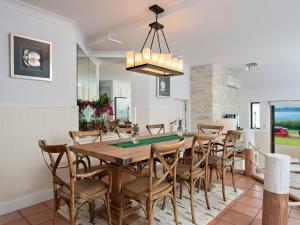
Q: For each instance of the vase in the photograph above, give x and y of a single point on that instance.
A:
(100, 117)
(135, 135)
(180, 130)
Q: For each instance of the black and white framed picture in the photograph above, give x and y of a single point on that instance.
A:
(30, 58)
(163, 87)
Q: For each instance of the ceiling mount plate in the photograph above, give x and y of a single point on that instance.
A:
(156, 9)
(156, 26)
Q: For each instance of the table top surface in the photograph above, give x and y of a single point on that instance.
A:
(106, 150)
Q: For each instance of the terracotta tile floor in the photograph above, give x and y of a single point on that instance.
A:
(245, 210)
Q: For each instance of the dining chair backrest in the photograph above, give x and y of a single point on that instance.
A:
(209, 129)
(123, 130)
(202, 145)
(56, 154)
(230, 142)
(160, 127)
(76, 135)
(169, 166)
(113, 124)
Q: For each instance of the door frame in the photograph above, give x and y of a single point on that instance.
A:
(272, 120)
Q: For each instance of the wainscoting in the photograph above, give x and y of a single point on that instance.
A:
(25, 180)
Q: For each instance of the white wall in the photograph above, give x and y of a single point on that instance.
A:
(31, 110)
(268, 83)
(27, 21)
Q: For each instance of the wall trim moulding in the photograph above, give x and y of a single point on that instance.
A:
(25, 201)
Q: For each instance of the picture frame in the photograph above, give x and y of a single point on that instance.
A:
(163, 87)
(30, 58)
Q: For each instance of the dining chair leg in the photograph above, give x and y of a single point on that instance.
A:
(192, 200)
(149, 212)
(155, 169)
(163, 206)
(120, 222)
(72, 214)
(180, 190)
(217, 174)
(233, 179)
(56, 207)
(210, 174)
(108, 208)
(206, 192)
(55, 216)
(223, 182)
(92, 210)
(199, 185)
(173, 198)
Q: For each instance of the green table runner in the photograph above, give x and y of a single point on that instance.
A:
(150, 141)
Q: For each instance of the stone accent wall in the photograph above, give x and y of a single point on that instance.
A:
(210, 97)
(201, 95)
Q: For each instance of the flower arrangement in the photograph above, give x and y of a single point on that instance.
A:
(83, 104)
(103, 105)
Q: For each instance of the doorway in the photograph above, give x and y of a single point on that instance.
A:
(285, 129)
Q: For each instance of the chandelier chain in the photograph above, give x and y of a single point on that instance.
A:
(157, 34)
(153, 39)
(146, 39)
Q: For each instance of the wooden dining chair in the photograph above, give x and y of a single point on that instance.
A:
(112, 125)
(123, 131)
(221, 162)
(195, 169)
(161, 130)
(146, 190)
(81, 188)
(84, 137)
(160, 127)
(209, 129)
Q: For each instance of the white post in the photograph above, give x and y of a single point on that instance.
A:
(276, 189)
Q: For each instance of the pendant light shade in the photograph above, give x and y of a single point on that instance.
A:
(149, 62)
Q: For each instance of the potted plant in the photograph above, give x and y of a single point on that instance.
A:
(102, 107)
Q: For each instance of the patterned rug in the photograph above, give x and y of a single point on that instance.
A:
(203, 215)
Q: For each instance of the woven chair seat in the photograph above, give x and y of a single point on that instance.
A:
(140, 186)
(215, 160)
(91, 169)
(183, 171)
(85, 189)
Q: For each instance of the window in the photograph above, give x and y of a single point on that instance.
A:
(255, 115)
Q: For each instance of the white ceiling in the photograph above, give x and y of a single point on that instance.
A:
(226, 32)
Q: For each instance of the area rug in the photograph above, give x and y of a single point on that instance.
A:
(165, 217)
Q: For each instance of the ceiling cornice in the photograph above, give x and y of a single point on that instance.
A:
(45, 14)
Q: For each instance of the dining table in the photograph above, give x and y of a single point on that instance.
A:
(122, 153)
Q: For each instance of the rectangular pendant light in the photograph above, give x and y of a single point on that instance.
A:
(151, 63)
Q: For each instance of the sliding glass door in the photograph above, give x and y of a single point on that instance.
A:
(286, 129)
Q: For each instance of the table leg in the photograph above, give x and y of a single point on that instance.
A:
(117, 180)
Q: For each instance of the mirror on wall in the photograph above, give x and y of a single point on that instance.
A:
(115, 81)
(103, 92)
(87, 78)
(87, 89)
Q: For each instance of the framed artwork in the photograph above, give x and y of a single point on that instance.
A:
(122, 107)
(163, 87)
(30, 58)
